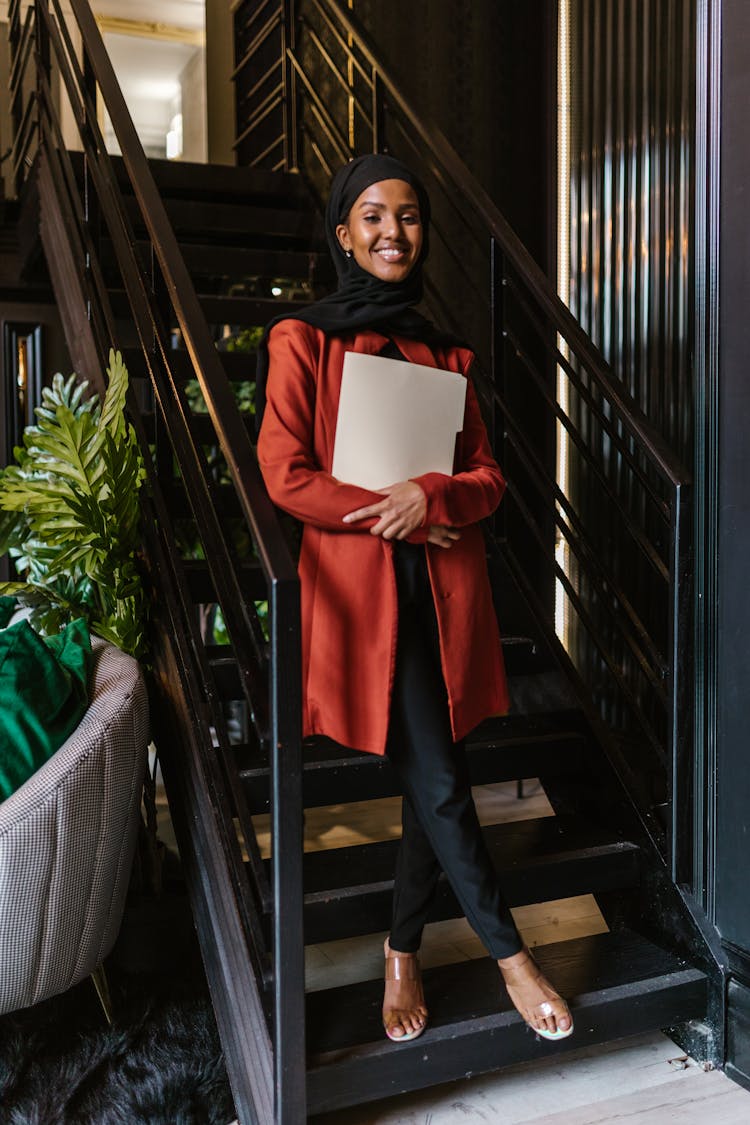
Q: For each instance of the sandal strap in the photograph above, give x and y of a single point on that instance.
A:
(548, 1008)
(402, 967)
(508, 975)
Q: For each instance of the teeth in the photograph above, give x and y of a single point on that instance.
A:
(391, 253)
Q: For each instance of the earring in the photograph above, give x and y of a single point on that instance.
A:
(348, 253)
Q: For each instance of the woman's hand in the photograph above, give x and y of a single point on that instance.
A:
(443, 536)
(402, 511)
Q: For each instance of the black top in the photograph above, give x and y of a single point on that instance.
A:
(409, 559)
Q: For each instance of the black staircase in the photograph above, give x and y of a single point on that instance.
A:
(172, 263)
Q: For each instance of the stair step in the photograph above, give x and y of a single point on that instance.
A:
(217, 260)
(247, 311)
(536, 860)
(522, 655)
(243, 311)
(618, 984)
(201, 586)
(188, 180)
(226, 504)
(238, 366)
(248, 224)
(204, 431)
(214, 181)
(218, 181)
(499, 750)
(236, 262)
(312, 266)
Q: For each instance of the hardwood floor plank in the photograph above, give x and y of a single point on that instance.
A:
(557, 1090)
(699, 1098)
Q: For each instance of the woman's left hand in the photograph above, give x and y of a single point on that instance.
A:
(402, 511)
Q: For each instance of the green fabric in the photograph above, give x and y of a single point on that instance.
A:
(7, 609)
(43, 696)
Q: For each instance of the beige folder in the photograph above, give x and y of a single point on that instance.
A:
(396, 420)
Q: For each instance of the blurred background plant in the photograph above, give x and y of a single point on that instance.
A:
(213, 627)
(247, 341)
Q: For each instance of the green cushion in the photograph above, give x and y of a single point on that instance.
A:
(43, 696)
(7, 609)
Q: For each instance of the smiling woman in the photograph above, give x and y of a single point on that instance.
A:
(384, 231)
(400, 648)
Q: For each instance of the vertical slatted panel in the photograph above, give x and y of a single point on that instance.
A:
(630, 221)
(632, 68)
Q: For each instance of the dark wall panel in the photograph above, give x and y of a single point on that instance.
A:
(483, 71)
(632, 69)
(732, 794)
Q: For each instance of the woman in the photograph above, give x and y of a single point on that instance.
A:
(400, 649)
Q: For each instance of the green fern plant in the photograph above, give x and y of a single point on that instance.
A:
(69, 513)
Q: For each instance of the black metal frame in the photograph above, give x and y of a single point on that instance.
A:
(257, 982)
(16, 414)
(707, 236)
(629, 593)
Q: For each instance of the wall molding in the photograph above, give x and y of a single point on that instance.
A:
(143, 29)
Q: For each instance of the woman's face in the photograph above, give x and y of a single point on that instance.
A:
(384, 230)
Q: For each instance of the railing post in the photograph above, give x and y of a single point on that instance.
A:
(497, 366)
(287, 844)
(680, 689)
(42, 46)
(378, 114)
(43, 68)
(289, 75)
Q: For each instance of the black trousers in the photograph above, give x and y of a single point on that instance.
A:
(440, 824)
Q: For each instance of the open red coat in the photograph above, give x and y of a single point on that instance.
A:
(348, 586)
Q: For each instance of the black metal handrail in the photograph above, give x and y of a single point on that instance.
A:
(623, 584)
(269, 1059)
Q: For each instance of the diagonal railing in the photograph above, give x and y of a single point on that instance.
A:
(250, 924)
(596, 522)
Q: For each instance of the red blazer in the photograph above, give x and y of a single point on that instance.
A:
(348, 587)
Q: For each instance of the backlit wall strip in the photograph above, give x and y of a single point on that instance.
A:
(632, 67)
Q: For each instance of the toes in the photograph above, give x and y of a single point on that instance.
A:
(405, 1024)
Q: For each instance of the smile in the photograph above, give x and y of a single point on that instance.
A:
(391, 253)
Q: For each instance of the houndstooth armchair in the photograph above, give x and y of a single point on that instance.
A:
(67, 838)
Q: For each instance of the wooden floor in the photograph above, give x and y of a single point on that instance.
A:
(646, 1081)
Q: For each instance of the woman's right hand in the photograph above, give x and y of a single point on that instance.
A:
(443, 536)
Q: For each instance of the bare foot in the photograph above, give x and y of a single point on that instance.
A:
(404, 1011)
(532, 994)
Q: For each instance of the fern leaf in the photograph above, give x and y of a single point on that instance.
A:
(113, 417)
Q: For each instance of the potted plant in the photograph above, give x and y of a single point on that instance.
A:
(69, 513)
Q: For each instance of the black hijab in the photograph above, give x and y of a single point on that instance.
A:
(361, 299)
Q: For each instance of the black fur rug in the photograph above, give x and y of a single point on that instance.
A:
(160, 1063)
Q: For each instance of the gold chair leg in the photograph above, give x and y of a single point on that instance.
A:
(101, 984)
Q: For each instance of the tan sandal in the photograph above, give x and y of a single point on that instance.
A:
(546, 1009)
(401, 966)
